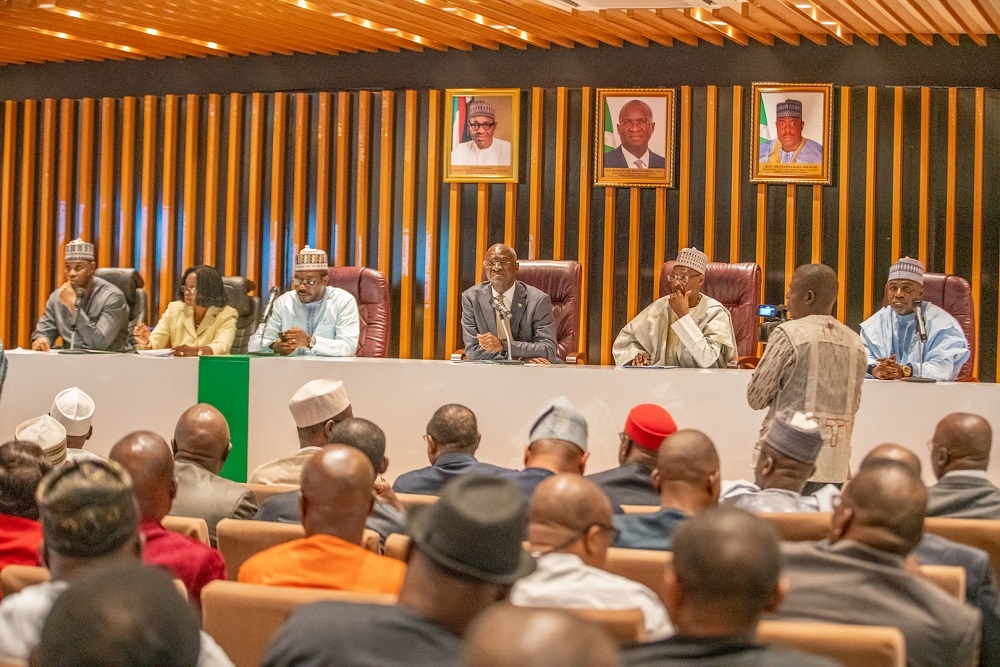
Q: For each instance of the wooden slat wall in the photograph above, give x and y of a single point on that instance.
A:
(242, 181)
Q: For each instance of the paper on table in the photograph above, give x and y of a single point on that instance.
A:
(165, 352)
(651, 366)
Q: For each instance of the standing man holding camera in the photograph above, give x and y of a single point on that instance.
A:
(813, 363)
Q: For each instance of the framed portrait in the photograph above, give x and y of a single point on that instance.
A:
(481, 135)
(634, 137)
(792, 133)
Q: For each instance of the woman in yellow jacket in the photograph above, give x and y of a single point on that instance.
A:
(201, 323)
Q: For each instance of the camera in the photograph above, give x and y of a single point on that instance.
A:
(773, 316)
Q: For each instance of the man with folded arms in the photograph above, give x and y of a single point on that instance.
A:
(960, 455)
(557, 444)
(74, 409)
(685, 328)
(631, 483)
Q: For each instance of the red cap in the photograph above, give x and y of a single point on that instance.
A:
(647, 425)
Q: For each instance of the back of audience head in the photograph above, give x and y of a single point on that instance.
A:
(645, 428)
(148, 460)
(882, 507)
(508, 636)
(74, 409)
(812, 291)
(336, 492)
(452, 428)
(125, 615)
(788, 455)
(962, 441)
(571, 514)
(364, 435)
(687, 472)
(724, 574)
(22, 467)
(202, 437)
(558, 439)
(317, 406)
(891, 452)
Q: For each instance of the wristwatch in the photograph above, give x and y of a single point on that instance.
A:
(907, 370)
(312, 341)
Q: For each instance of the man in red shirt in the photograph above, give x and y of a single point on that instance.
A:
(22, 466)
(148, 459)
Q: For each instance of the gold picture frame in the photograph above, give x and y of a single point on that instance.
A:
(644, 156)
(474, 151)
(805, 129)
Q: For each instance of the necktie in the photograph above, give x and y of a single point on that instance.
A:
(639, 164)
(501, 326)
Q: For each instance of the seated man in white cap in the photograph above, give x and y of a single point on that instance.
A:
(87, 312)
(74, 409)
(685, 328)
(316, 407)
(892, 338)
(48, 434)
(313, 318)
(483, 148)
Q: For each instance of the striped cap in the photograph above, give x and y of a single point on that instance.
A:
(907, 268)
(692, 258)
(310, 259)
(80, 249)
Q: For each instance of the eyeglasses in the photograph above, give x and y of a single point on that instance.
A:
(641, 123)
(496, 263)
(189, 290)
(308, 282)
(678, 279)
(487, 126)
(611, 530)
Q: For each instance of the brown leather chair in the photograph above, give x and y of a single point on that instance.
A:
(738, 288)
(131, 284)
(854, 645)
(953, 294)
(371, 290)
(238, 291)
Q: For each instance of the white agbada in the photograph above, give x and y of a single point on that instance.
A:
(468, 154)
(703, 338)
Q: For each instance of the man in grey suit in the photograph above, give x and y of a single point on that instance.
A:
(635, 128)
(859, 577)
(530, 331)
(960, 454)
(201, 444)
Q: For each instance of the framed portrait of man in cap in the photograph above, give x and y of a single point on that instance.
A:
(634, 137)
(481, 135)
(791, 133)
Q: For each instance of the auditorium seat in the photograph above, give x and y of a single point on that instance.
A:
(411, 499)
(800, 526)
(854, 645)
(625, 626)
(640, 509)
(642, 565)
(238, 291)
(14, 578)
(242, 618)
(196, 529)
(980, 533)
(949, 578)
(371, 290)
(953, 294)
(131, 284)
(265, 491)
(738, 287)
(396, 546)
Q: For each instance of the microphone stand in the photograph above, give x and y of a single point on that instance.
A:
(272, 295)
(510, 336)
(921, 325)
(76, 316)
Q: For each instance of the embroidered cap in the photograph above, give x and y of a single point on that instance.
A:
(311, 259)
(907, 268)
(74, 410)
(692, 258)
(796, 435)
(483, 109)
(47, 433)
(318, 401)
(789, 109)
(648, 424)
(560, 421)
(80, 249)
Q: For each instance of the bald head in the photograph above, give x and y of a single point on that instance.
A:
(337, 492)
(147, 458)
(508, 636)
(812, 290)
(687, 471)
(891, 452)
(962, 441)
(202, 437)
(883, 506)
(569, 505)
(363, 435)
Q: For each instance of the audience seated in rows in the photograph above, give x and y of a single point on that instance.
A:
(631, 483)
(960, 454)
(47, 433)
(452, 438)
(570, 530)
(201, 444)
(22, 467)
(466, 554)
(74, 409)
(687, 477)
(147, 459)
(336, 498)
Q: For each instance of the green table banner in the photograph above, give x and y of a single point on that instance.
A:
(224, 382)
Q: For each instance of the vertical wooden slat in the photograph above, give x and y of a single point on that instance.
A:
(213, 119)
(711, 139)
(147, 210)
(736, 175)
(323, 172)
(386, 186)
(168, 209)
(85, 172)
(949, 229)
(789, 234)
(190, 204)
(106, 192)
(409, 222)
(583, 215)
(897, 174)
(341, 196)
(7, 213)
(46, 197)
(659, 238)
(432, 216)
(537, 163)
(510, 215)
(761, 228)
(559, 187)
(843, 218)
(126, 189)
(925, 173)
(607, 287)
(254, 194)
(634, 229)
(233, 181)
(454, 238)
(977, 217)
(870, 162)
(64, 215)
(684, 209)
(816, 256)
(300, 173)
(26, 254)
(277, 232)
(362, 186)
(482, 223)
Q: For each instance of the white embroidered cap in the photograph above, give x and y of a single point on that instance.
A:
(318, 401)
(74, 409)
(692, 258)
(80, 249)
(311, 259)
(47, 433)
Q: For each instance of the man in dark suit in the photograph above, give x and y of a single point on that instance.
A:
(635, 127)
(631, 483)
(960, 454)
(529, 333)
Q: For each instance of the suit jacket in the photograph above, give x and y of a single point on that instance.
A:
(849, 582)
(531, 323)
(204, 495)
(648, 531)
(629, 484)
(964, 497)
(716, 652)
(176, 327)
(616, 160)
(284, 508)
(429, 480)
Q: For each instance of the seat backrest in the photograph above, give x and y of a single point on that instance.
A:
(396, 546)
(243, 618)
(799, 526)
(14, 578)
(265, 491)
(195, 528)
(642, 565)
(736, 286)
(131, 284)
(640, 509)
(949, 578)
(239, 539)
(371, 290)
(953, 294)
(625, 626)
(854, 645)
(411, 499)
(238, 291)
(980, 533)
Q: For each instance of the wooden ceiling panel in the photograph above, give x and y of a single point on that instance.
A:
(78, 30)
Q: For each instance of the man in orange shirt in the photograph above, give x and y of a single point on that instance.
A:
(336, 498)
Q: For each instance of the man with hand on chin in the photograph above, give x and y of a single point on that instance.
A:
(685, 328)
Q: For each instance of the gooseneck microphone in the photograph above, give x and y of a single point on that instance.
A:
(504, 314)
(918, 310)
(271, 297)
(76, 315)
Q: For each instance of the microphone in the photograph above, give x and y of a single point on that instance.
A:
(918, 310)
(76, 315)
(504, 314)
(500, 308)
(271, 297)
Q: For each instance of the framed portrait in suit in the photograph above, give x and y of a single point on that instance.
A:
(792, 135)
(481, 135)
(634, 137)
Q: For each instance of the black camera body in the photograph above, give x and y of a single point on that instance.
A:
(773, 316)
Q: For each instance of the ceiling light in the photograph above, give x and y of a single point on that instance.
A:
(804, 6)
(46, 4)
(450, 9)
(828, 22)
(338, 15)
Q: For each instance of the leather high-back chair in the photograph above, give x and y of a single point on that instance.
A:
(238, 295)
(737, 286)
(562, 281)
(371, 290)
(131, 284)
(953, 294)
